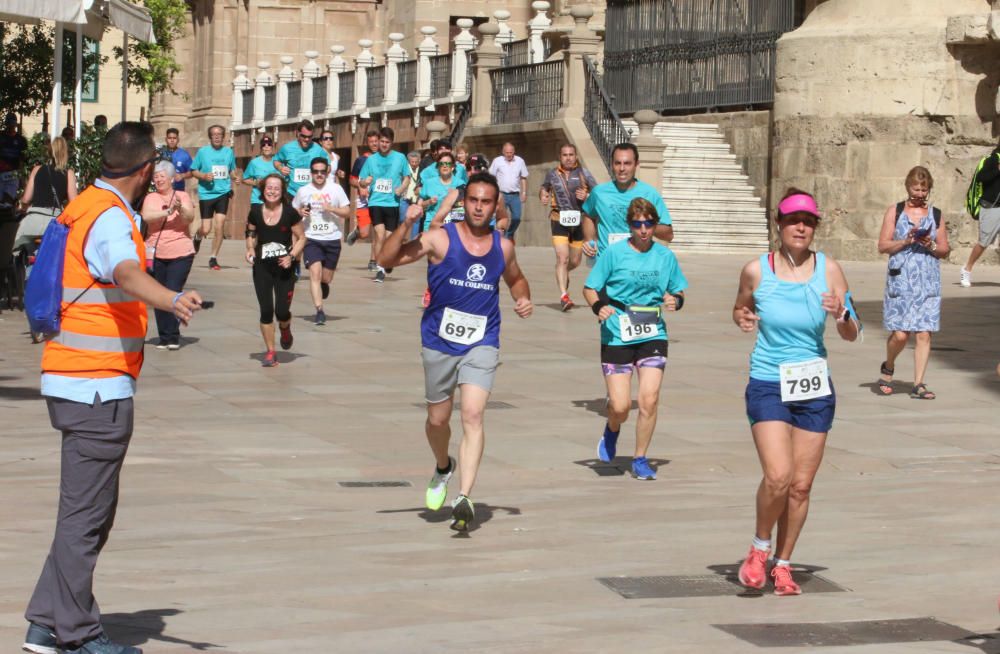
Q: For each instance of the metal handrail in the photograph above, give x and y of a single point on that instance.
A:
(599, 115)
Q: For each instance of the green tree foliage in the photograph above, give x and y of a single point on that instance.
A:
(26, 62)
(152, 66)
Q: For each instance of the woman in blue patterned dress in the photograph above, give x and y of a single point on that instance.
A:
(916, 238)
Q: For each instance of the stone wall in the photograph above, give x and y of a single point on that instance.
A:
(857, 105)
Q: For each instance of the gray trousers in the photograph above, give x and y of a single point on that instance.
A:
(94, 441)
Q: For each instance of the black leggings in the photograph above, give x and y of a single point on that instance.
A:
(275, 286)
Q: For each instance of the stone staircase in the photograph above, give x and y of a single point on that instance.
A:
(711, 201)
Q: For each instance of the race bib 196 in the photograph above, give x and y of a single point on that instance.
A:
(220, 172)
(383, 186)
(300, 175)
(804, 380)
(632, 332)
(272, 251)
(462, 328)
(569, 218)
(617, 236)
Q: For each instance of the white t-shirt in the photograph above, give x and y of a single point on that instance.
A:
(509, 173)
(321, 225)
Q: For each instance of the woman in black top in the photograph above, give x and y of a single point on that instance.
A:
(50, 187)
(275, 238)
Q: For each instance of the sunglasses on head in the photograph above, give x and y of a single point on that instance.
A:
(648, 224)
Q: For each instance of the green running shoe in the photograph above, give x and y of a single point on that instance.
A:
(437, 489)
(462, 513)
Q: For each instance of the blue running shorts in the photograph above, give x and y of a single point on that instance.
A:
(763, 400)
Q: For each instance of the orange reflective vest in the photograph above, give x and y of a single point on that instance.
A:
(102, 329)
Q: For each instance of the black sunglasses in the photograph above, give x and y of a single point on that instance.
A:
(316, 171)
(305, 136)
(326, 138)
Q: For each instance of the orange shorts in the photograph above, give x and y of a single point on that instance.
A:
(364, 218)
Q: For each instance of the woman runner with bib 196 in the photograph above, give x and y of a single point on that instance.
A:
(790, 399)
(632, 283)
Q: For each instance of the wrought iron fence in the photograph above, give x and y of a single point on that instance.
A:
(407, 71)
(270, 102)
(692, 54)
(376, 86)
(247, 95)
(319, 95)
(526, 93)
(346, 91)
(599, 115)
(440, 75)
(294, 98)
(461, 118)
(518, 53)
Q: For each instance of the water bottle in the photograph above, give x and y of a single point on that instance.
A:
(590, 260)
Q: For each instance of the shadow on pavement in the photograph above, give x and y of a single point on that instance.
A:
(599, 405)
(621, 466)
(731, 572)
(283, 356)
(484, 513)
(143, 626)
(311, 317)
(988, 642)
(17, 392)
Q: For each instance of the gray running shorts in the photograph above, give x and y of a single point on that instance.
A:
(989, 225)
(443, 372)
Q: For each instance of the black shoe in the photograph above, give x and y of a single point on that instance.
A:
(372, 266)
(379, 276)
(388, 271)
(102, 645)
(214, 264)
(286, 337)
(320, 318)
(325, 288)
(352, 237)
(462, 513)
(197, 245)
(39, 639)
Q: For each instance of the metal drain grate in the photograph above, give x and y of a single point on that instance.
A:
(373, 484)
(704, 585)
(839, 634)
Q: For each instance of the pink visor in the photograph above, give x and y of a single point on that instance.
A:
(798, 202)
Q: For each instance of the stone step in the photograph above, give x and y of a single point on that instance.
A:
(730, 203)
(672, 148)
(699, 178)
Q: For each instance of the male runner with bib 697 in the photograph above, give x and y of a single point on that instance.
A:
(460, 329)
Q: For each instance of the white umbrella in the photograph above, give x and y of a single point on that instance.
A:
(90, 16)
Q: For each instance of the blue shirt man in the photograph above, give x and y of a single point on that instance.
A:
(294, 157)
(179, 157)
(387, 172)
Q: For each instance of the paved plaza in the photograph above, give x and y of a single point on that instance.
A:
(239, 529)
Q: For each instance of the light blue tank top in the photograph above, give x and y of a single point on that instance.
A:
(792, 320)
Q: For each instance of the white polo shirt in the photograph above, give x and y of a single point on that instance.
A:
(509, 173)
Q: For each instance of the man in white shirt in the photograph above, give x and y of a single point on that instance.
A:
(321, 203)
(512, 176)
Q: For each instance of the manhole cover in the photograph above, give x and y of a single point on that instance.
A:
(704, 585)
(838, 634)
(373, 484)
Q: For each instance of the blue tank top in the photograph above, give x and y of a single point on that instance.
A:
(792, 320)
(464, 311)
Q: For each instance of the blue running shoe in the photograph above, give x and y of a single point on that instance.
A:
(39, 640)
(641, 469)
(608, 445)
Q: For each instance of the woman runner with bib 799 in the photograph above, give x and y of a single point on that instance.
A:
(790, 400)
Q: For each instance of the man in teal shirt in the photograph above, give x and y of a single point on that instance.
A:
(385, 176)
(608, 204)
(259, 168)
(294, 157)
(214, 166)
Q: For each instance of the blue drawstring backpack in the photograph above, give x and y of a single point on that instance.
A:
(44, 290)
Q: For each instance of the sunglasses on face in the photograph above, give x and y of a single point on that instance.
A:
(305, 136)
(326, 138)
(446, 164)
(318, 172)
(638, 224)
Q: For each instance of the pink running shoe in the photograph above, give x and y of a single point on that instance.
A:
(783, 582)
(753, 571)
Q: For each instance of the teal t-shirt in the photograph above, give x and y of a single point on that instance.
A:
(257, 170)
(608, 207)
(292, 155)
(431, 172)
(635, 278)
(435, 187)
(221, 163)
(387, 173)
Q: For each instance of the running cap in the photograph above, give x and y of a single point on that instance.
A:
(479, 162)
(800, 202)
(266, 140)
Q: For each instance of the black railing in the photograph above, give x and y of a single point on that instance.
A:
(526, 93)
(294, 99)
(346, 91)
(461, 118)
(518, 53)
(674, 55)
(319, 96)
(270, 102)
(599, 115)
(247, 95)
(440, 75)
(375, 93)
(407, 72)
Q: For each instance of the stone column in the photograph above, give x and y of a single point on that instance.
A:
(435, 130)
(488, 57)
(536, 27)
(506, 34)
(337, 65)
(650, 149)
(240, 83)
(581, 42)
(394, 56)
(427, 49)
(261, 82)
(462, 47)
(362, 63)
(309, 72)
(285, 75)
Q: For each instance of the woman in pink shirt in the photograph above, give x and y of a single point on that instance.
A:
(169, 249)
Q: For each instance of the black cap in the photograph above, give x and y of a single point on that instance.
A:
(266, 140)
(479, 162)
